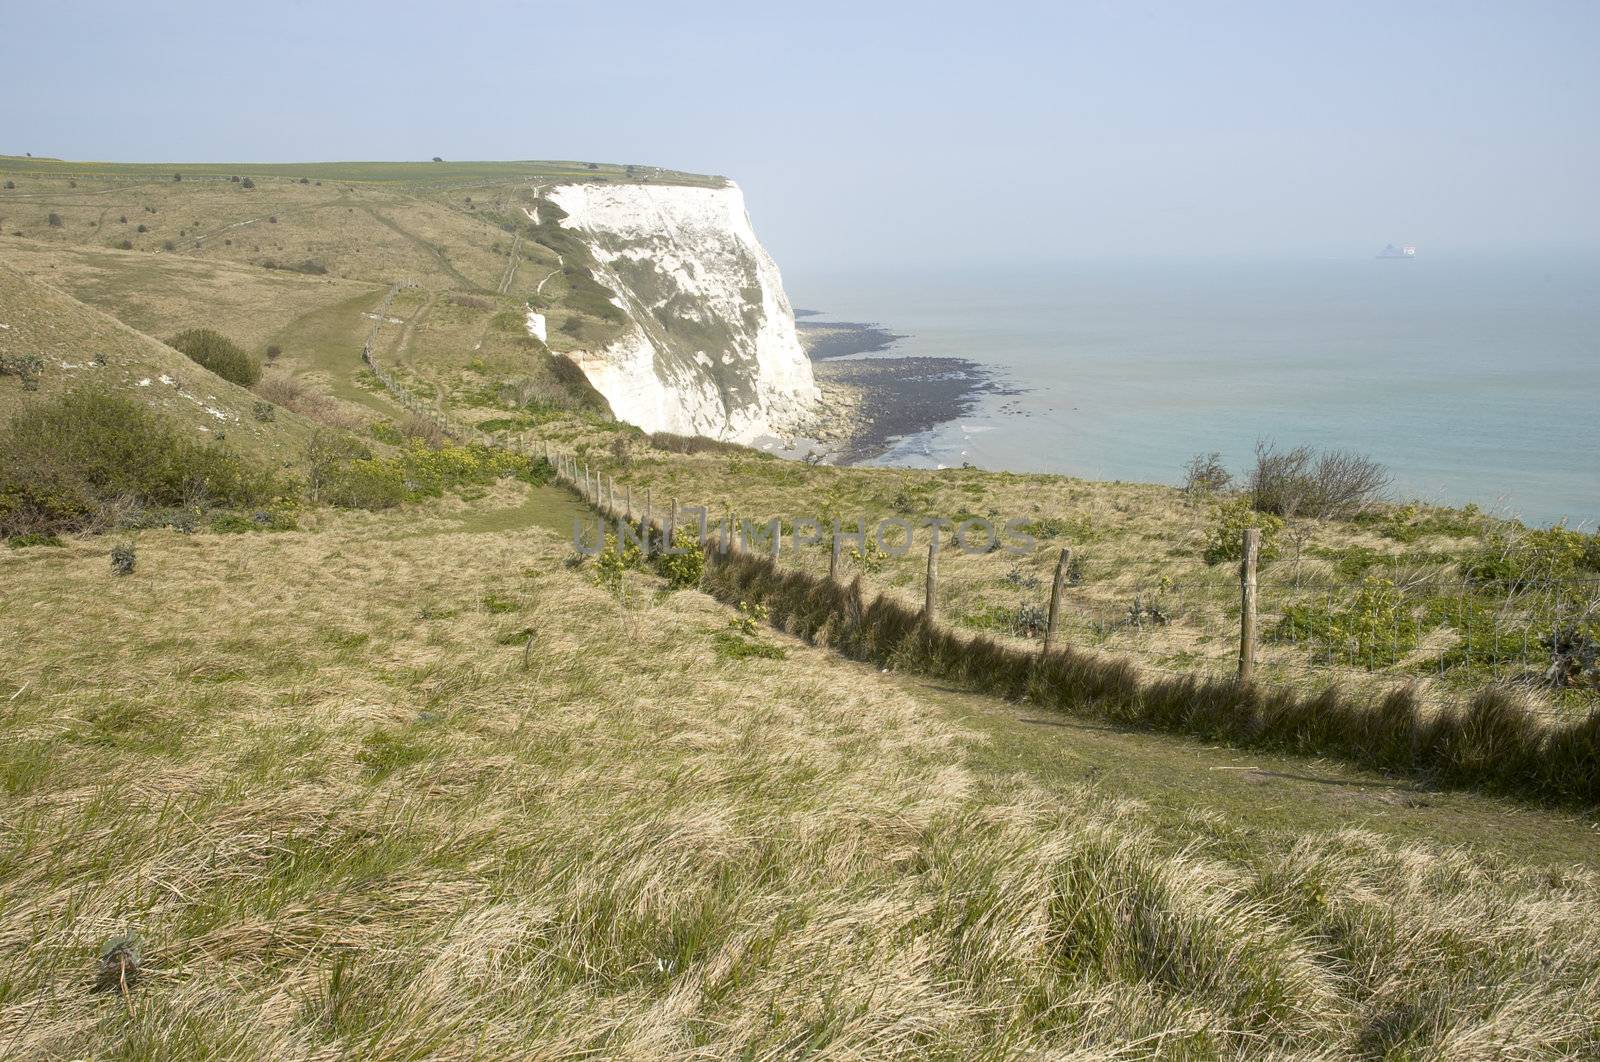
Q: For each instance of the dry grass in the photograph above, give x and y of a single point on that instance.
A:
(340, 818)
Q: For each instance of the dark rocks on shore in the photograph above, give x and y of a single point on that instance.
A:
(899, 396)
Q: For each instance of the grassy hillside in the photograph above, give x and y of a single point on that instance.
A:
(294, 257)
(422, 781)
(80, 346)
(409, 785)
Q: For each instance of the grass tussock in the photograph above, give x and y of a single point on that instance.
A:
(1490, 742)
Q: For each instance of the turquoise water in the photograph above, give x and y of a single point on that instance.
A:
(1473, 380)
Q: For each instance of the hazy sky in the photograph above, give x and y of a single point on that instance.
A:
(880, 134)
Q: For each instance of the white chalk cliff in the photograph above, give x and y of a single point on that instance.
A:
(710, 346)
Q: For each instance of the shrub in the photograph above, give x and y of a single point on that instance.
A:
(35, 539)
(247, 183)
(123, 558)
(142, 228)
(10, 185)
(1205, 474)
(752, 617)
(177, 176)
(733, 646)
(54, 220)
(366, 483)
(1225, 537)
(274, 352)
(216, 352)
(25, 367)
(684, 568)
(126, 245)
(265, 412)
(1299, 482)
(1375, 629)
(70, 464)
(1512, 561)
(611, 564)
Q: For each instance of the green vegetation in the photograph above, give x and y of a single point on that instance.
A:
(1225, 536)
(214, 351)
(81, 461)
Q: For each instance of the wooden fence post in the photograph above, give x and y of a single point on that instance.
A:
(1247, 604)
(931, 598)
(833, 558)
(672, 525)
(627, 501)
(1063, 565)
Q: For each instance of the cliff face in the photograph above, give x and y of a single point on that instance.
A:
(709, 347)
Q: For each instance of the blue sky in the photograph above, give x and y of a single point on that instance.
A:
(886, 134)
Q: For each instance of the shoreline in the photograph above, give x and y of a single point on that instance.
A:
(878, 400)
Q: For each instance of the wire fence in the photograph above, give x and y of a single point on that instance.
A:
(1398, 620)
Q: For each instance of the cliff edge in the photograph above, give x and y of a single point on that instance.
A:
(709, 346)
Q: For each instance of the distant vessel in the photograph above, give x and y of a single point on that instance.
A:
(1403, 251)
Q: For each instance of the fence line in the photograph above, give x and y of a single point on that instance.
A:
(1428, 626)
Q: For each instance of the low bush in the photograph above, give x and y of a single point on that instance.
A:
(672, 443)
(218, 353)
(72, 464)
(1301, 482)
(1377, 628)
(35, 539)
(1205, 474)
(25, 367)
(1514, 560)
(1225, 536)
(684, 567)
(343, 472)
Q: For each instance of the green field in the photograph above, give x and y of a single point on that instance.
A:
(423, 172)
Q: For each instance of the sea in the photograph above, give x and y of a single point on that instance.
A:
(1474, 378)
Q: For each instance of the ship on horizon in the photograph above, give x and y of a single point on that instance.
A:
(1405, 250)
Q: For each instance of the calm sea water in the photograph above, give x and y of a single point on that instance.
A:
(1474, 380)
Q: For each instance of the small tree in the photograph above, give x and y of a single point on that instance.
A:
(436, 158)
(1205, 474)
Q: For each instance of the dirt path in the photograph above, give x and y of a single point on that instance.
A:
(540, 289)
(1179, 777)
(418, 241)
